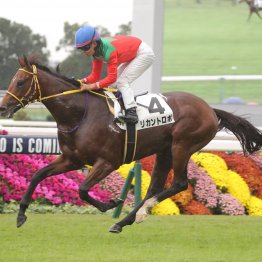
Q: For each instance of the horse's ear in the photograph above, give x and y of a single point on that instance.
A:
(20, 61)
(23, 61)
(27, 64)
(58, 69)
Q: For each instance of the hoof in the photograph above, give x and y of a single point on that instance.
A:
(20, 220)
(115, 229)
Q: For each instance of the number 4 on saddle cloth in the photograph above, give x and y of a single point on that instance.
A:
(152, 111)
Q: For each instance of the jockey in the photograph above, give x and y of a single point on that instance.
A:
(127, 58)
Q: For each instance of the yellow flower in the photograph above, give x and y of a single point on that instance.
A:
(237, 187)
(254, 206)
(166, 207)
(213, 166)
(217, 169)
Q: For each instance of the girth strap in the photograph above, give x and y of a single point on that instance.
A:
(130, 132)
(130, 143)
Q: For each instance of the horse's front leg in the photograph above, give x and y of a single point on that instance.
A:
(58, 166)
(100, 170)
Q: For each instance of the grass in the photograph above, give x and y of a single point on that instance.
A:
(172, 238)
(209, 39)
(215, 92)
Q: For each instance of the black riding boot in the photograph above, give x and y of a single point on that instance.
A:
(131, 116)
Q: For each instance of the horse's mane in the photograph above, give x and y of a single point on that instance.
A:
(34, 60)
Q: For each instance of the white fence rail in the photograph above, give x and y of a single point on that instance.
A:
(13, 123)
(210, 78)
(223, 141)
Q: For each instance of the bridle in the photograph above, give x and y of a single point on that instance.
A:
(35, 86)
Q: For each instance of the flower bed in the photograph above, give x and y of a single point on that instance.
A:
(16, 172)
(220, 190)
(219, 183)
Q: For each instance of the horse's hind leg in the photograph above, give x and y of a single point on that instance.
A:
(163, 165)
(58, 166)
(100, 170)
(181, 157)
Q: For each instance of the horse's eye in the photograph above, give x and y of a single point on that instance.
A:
(20, 83)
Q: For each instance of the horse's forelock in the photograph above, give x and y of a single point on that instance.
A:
(34, 59)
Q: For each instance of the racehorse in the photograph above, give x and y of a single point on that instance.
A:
(253, 8)
(87, 134)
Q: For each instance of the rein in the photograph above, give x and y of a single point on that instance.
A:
(36, 87)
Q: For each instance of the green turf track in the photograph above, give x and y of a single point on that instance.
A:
(208, 39)
(56, 237)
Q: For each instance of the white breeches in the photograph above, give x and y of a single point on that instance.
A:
(128, 72)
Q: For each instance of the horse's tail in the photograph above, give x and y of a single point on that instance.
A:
(249, 136)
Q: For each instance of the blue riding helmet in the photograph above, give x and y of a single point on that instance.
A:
(85, 35)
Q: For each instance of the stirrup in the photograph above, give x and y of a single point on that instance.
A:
(119, 120)
(128, 120)
(131, 116)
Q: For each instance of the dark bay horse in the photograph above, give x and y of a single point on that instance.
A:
(253, 8)
(88, 135)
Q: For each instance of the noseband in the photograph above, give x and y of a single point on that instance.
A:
(33, 86)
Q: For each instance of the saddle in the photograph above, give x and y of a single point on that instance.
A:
(152, 111)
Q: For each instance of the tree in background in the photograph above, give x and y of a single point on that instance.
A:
(16, 40)
(125, 29)
(67, 42)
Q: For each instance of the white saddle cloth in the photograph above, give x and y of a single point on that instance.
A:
(152, 111)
